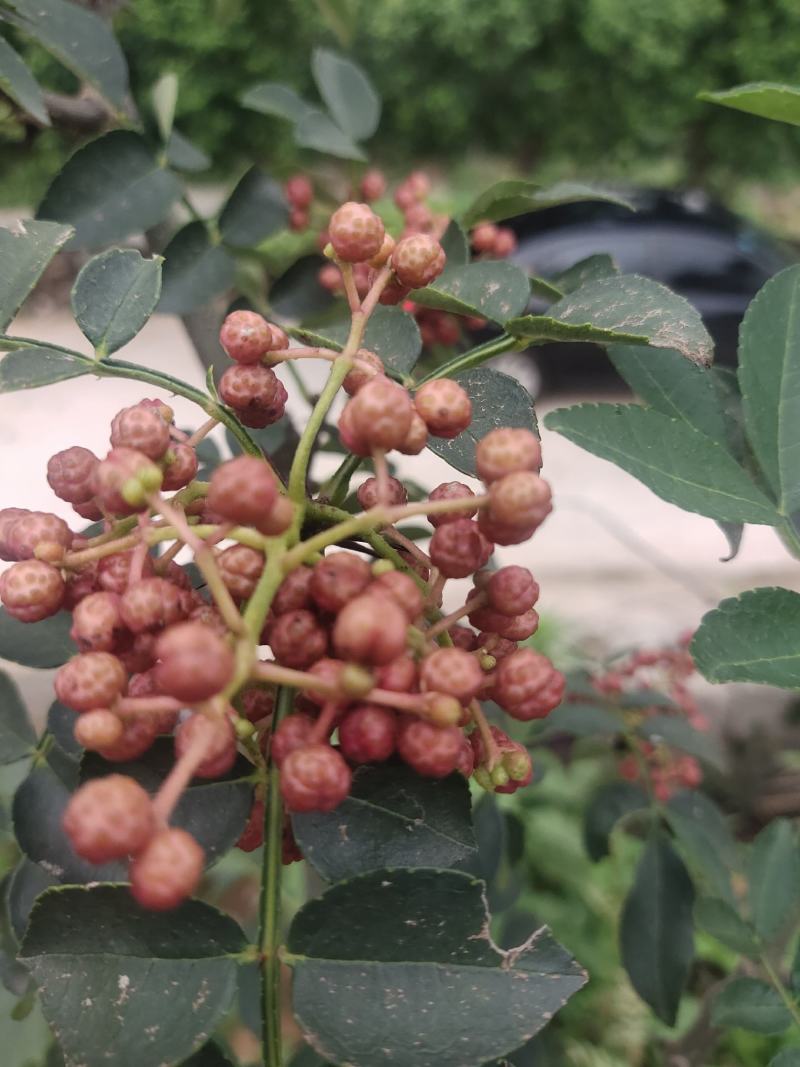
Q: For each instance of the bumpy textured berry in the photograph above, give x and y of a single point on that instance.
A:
(506, 451)
(90, 680)
(252, 837)
(381, 413)
(465, 763)
(452, 671)
(113, 572)
(123, 479)
(141, 428)
(459, 548)
(109, 818)
(514, 759)
(417, 260)
(368, 497)
(521, 499)
(279, 519)
(512, 590)
(151, 604)
(97, 729)
(433, 751)
(365, 367)
(521, 676)
(314, 778)
(416, 438)
(280, 338)
(356, 232)
(398, 676)
(37, 531)
(32, 590)
(240, 567)
(297, 640)
(8, 516)
(370, 630)
(337, 578)
(384, 254)
(403, 589)
(451, 491)
(243, 491)
(69, 474)
(167, 870)
(255, 392)
(181, 466)
(137, 737)
(195, 662)
(294, 591)
(245, 336)
(293, 732)
(256, 702)
(215, 736)
(394, 293)
(444, 406)
(373, 184)
(299, 191)
(352, 439)
(97, 622)
(505, 243)
(520, 627)
(483, 237)
(367, 733)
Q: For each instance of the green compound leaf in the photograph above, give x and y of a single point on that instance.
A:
(497, 400)
(183, 155)
(679, 464)
(396, 969)
(78, 38)
(606, 807)
(656, 937)
(769, 377)
(195, 270)
(17, 735)
(348, 93)
(391, 333)
(25, 884)
(455, 244)
(750, 1004)
(511, 197)
(706, 839)
(624, 308)
(164, 96)
(17, 82)
(392, 815)
(32, 366)
(318, 131)
(774, 872)
(754, 637)
(489, 289)
(584, 271)
(790, 1057)
(272, 98)
(25, 250)
(255, 210)
(36, 644)
(718, 918)
(124, 985)
(113, 297)
(768, 100)
(109, 189)
(582, 720)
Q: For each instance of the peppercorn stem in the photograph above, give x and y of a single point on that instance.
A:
(267, 671)
(202, 431)
(449, 620)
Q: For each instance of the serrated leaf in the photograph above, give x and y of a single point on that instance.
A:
(347, 92)
(214, 811)
(769, 100)
(109, 189)
(184, 155)
(656, 935)
(297, 294)
(624, 308)
(79, 39)
(391, 333)
(582, 720)
(605, 808)
(511, 197)
(677, 732)
(36, 644)
(26, 883)
(490, 289)
(374, 956)
(164, 95)
(17, 735)
(120, 983)
(318, 131)
(17, 82)
(754, 637)
(32, 366)
(584, 271)
(195, 270)
(769, 377)
(272, 98)
(114, 295)
(749, 1004)
(254, 211)
(718, 918)
(774, 874)
(679, 464)
(455, 244)
(497, 400)
(706, 839)
(392, 816)
(25, 250)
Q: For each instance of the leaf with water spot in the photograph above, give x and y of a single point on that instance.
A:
(489, 289)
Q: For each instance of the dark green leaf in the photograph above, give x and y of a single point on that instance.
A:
(508, 198)
(114, 296)
(679, 464)
(790, 1057)
(489, 288)
(32, 366)
(718, 918)
(396, 968)
(36, 644)
(80, 39)
(734, 531)
(164, 95)
(497, 400)
(750, 1004)
(490, 835)
(455, 244)
(656, 937)
(17, 736)
(623, 308)
(121, 984)
(318, 131)
(348, 93)
(678, 732)
(17, 82)
(769, 377)
(183, 155)
(61, 724)
(297, 294)
(25, 885)
(754, 637)
(255, 210)
(584, 271)
(604, 810)
(392, 816)
(109, 189)
(769, 100)
(704, 834)
(391, 333)
(774, 872)
(25, 250)
(195, 270)
(271, 98)
(210, 1055)
(214, 811)
(545, 290)
(582, 720)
